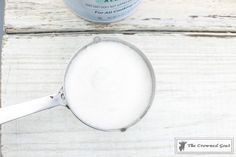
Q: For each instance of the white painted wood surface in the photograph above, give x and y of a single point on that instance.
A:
(174, 15)
(195, 96)
(195, 70)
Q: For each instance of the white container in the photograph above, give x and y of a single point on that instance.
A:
(103, 11)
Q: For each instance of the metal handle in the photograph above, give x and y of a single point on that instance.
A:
(24, 109)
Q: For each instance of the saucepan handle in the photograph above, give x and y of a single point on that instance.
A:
(23, 109)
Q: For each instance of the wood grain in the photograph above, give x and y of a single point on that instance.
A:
(195, 96)
(25, 16)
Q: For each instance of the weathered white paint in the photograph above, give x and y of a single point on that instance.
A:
(174, 15)
(1, 22)
(195, 97)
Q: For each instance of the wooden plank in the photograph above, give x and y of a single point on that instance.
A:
(195, 96)
(176, 15)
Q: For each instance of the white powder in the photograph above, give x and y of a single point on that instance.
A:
(108, 85)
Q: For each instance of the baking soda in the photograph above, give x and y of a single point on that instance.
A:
(108, 85)
(103, 10)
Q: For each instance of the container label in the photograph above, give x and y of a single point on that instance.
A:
(109, 10)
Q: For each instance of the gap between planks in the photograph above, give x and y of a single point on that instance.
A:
(185, 33)
(129, 32)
